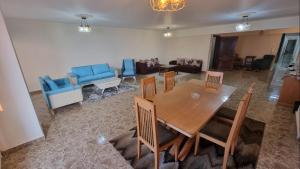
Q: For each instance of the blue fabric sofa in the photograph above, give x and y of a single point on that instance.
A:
(59, 92)
(86, 74)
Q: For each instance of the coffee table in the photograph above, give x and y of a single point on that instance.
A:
(165, 68)
(107, 83)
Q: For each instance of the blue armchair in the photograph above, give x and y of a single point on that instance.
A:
(128, 69)
(59, 92)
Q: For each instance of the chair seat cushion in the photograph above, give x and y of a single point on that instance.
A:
(217, 130)
(164, 135)
(226, 113)
(128, 72)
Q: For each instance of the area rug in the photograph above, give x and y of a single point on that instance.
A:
(92, 93)
(210, 156)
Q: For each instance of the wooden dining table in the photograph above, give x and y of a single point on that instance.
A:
(189, 106)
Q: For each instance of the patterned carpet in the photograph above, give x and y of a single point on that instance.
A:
(210, 157)
(92, 93)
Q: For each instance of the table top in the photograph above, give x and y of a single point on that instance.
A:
(190, 105)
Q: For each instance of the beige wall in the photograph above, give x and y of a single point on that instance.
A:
(18, 122)
(259, 43)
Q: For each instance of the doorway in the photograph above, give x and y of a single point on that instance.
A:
(287, 56)
(224, 52)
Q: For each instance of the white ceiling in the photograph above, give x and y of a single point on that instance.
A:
(138, 13)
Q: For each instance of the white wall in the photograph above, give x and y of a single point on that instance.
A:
(53, 48)
(18, 122)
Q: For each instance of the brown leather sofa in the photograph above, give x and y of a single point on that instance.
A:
(142, 68)
(186, 67)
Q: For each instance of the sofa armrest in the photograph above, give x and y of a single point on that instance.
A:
(114, 71)
(62, 90)
(63, 81)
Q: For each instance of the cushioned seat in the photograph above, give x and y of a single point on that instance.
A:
(95, 77)
(217, 130)
(128, 73)
(164, 135)
(226, 113)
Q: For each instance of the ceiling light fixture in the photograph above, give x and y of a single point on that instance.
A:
(84, 26)
(245, 26)
(167, 5)
(168, 34)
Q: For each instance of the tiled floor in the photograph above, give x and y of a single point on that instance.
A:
(72, 135)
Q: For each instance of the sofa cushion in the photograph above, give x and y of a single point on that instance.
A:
(82, 71)
(95, 77)
(104, 75)
(100, 68)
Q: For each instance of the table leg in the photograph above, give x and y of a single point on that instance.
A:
(180, 141)
(186, 148)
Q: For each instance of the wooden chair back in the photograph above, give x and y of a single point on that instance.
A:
(237, 122)
(146, 123)
(213, 79)
(169, 82)
(148, 86)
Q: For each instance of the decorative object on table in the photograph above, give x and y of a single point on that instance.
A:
(249, 62)
(148, 88)
(167, 5)
(84, 25)
(128, 69)
(187, 65)
(213, 79)
(59, 92)
(210, 157)
(85, 75)
(169, 82)
(92, 93)
(151, 133)
(147, 66)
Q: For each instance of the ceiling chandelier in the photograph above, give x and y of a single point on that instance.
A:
(167, 5)
(84, 26)
(168, 34)
(245, 26)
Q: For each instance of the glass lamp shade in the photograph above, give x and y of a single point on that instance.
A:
(241, 27)
(168, 34)
(85, 28)
(1, 108)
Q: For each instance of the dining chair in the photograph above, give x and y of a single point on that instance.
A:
(221, 133)
(169, 82)
(151, 133)
(148, 86)
(227, 114)
(213, 79)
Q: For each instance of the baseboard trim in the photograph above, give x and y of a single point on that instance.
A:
(19, 147)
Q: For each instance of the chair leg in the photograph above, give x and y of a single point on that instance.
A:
(233, 146)
(176, 152)
(197, 144)
(226, 154)
(138, 149)
(156, 156)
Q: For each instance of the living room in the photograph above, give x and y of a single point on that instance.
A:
(49, 128)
